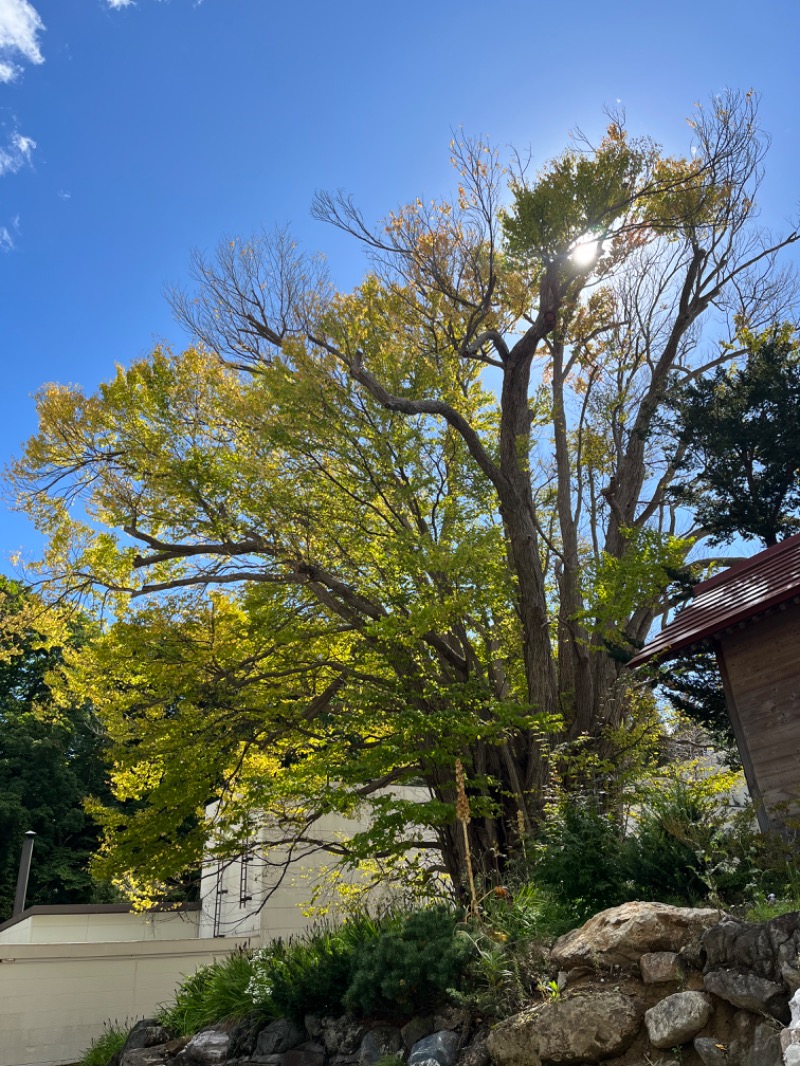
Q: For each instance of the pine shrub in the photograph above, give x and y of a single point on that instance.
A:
(409, 966)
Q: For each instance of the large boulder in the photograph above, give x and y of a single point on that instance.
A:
(677, 1018)
(753, 965)
(618, 937)
(577, 1029)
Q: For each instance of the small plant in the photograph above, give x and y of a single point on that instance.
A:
(105, 1046)
(549, 990)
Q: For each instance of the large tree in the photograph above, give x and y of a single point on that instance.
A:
(350, 539)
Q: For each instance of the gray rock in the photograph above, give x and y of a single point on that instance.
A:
(416, 1029)
(581, 1028)
(206, 1048)
(308, 1054)
(380, 1043)
(791, 976)
(788, 1037)
(279, 1036)
(145, 1056)
(146, 1033)
(476, 1053)
(766, 949)
(244, 1035)
(750, 992)
(677, 1018)
(440, 1049)
(661, 967)
(711, 1052)
(791, 1056)
(313, 1024)
(341, 1036)
(766, 1047)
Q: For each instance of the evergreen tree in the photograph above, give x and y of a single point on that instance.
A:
(740, 433)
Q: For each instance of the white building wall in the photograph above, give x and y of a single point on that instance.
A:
(255, 896)
(54, 998)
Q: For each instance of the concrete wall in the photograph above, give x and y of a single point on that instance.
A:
(54, 998)
(97, 924)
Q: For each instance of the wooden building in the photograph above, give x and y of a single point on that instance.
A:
(750, 614)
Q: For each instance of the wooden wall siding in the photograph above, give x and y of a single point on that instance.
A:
(761, 670)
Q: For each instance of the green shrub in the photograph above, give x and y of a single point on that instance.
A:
(310, 974)
(580, 858)
(105, 1046)
(211, 994)
(409, 966)
(665, 853)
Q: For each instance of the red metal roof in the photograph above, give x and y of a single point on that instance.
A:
(735, 595)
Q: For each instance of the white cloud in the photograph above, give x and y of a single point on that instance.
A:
(16, 154)
(7, 235)
(19, 28)
(117, 4)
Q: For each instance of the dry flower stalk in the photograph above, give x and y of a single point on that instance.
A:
(463, 815)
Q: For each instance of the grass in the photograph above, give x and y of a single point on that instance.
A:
(109, 1042)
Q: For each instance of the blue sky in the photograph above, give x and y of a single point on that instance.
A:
(131, 133)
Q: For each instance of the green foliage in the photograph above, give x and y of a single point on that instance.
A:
(580, 856)
(105, 1046)
(665, 854)
(619, 584)
(506, 968)
(211, 994)
(741, 429)
(410, 966)
(51, 759)
(310, 974)
(688, 846)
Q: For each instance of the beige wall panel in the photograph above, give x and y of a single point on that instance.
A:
(55, 998)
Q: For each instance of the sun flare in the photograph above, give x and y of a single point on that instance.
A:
(586, 251)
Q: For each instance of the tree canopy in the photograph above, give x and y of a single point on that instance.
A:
(51, 760)
(347, 539)
(740, 436)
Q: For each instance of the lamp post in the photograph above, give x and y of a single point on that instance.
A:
(24, 873)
